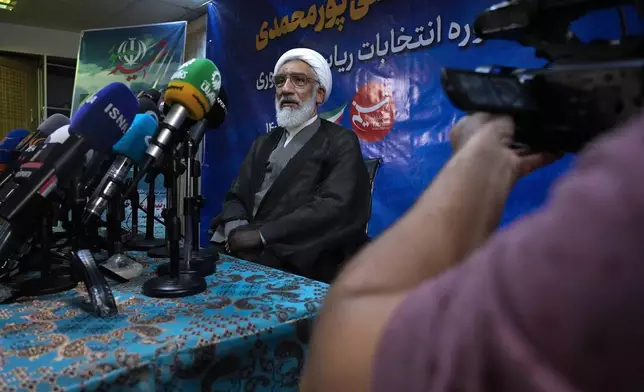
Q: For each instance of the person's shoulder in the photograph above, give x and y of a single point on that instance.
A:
(333, 128)
(274, 132)
(338, 132)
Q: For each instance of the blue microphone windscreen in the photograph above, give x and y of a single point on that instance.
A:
(105, 117)
(10, 142)
(51, 124)
(14, 137)
(135, 142)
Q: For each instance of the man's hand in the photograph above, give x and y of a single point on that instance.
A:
(244, 239)
(214, 223)
(495, 135)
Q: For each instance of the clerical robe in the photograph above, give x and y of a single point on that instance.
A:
(311, 202)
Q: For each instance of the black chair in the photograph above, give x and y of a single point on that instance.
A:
(373, 164)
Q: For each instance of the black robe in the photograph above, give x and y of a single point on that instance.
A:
(314, 215)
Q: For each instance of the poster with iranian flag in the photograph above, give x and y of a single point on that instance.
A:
(142, 57)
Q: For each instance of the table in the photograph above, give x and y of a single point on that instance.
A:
(247, 332)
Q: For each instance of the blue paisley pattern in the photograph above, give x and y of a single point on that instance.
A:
(248, 332)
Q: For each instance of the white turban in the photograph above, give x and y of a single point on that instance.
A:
(315, 61)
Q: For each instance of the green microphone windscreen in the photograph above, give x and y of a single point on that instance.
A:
(195, 86)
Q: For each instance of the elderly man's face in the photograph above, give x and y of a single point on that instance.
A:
(296, 83)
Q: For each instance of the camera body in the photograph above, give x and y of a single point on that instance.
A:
(585, 91)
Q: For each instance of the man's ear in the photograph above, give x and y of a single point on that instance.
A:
(319, 95)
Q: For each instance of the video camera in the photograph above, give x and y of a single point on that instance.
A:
(585, 90)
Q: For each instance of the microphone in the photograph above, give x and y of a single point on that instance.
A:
(98, 124)
(40, 151)
(131, 149)
(13, 139)
(149, 103)
(45, 147)
(52, 123)
(8, 146)
(103, 119)
(152, 94)
(99, 164)
(95, 168)
(213, 119)
(218, 114)
(194, 259)
(36, 152)
(191, 93)
(59, 136)
(46, 128)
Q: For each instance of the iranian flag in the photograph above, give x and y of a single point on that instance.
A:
(334, 115)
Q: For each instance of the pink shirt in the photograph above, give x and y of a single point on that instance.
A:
(552, 303)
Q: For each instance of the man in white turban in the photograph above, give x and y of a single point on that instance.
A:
(301, 201)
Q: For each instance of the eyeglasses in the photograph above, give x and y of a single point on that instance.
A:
(298, 79)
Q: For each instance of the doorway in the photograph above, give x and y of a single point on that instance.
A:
(18, 92)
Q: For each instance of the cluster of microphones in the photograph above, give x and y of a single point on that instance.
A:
(64, 189)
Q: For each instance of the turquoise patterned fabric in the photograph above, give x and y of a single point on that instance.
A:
(248, 332)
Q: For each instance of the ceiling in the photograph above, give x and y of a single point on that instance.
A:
(77, 15)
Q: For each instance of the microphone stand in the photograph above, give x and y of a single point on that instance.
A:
(61, 218)
(78, 203)
(163, 252)
(119, 263)
(194, 258)
(134, 203)
(149, 242)
(50, 281)
(178, 283)
(198, 204)
(83, 236)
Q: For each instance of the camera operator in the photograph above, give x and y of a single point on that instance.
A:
(552, 303)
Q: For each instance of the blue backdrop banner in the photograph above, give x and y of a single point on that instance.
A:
(386, 58)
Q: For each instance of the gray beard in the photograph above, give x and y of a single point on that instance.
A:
(291, 118)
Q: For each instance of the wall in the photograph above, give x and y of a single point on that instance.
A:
(35, 40)
(196, 38)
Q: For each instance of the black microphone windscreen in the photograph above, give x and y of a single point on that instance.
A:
(217, 114)
(152, 94)
(52, 123)
(146, 105)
